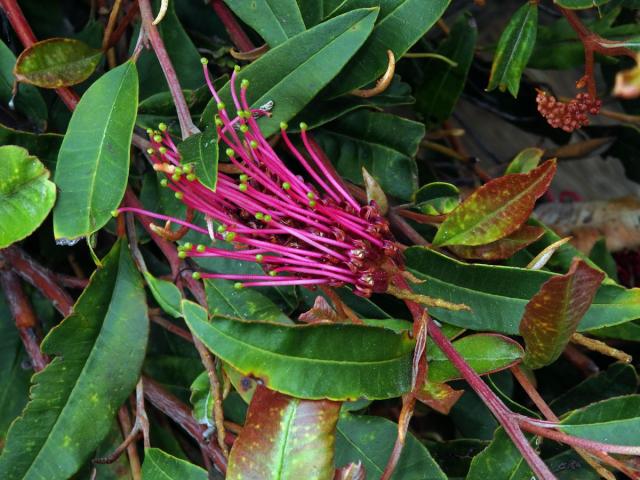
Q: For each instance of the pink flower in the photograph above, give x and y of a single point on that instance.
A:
(301, 232)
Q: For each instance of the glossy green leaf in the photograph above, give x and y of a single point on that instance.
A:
(159, 465)
(496, 209)
(500, 249)
(498, 305)
(602, 257)
(335, 361)
(246, 303)
(275, 20)
(438, 95)
(93, 163)
(57, 62)
(28, 101)
(580, 4)
(484, 352)
(26, 194)
(525, 161)
(617, 380)
(165, 293)
(615, 420)
(501, 459)
(312, 11)
(514, 49)
(201, 151)
(285, 437)
(368, 439)
(202, 400)
(98, 353)
(382, 143)
(437, 198)
(570, 466)
(293, 73)
(401, 23)
(553, 314)
(45, 146)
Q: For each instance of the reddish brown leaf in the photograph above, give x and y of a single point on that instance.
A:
(285, 437)
(439, 396)
(496, 209)
(500, 249)
(553, 314)
(320, 312)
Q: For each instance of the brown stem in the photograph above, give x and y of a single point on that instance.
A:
(111, 23)
(187, 127)
(38, 276)
(180, 414)
(600, 347)
(401, 225)
(132, 451)
(167, 325)
(24, 317)
(128, 17)
(233, 28)
(408, 404)
(27, 38)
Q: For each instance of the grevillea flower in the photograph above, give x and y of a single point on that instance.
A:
(301, 231)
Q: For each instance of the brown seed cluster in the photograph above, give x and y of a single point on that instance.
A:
(570, 115)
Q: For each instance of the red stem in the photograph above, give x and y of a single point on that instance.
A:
(24, 317)
(27, 38)
(187, 126)
(235, 31)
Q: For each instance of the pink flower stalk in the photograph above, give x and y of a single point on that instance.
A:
(301, 233)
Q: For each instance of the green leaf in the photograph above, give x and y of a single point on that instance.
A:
(159, 465)
(619, 379)
(368, 439)
(166, 294)
(437, 198)
(245, 303)
(498, 305)
(335, 361)
(275, 20)
(45, 146)
(57, 62)
(484, 352)
(201, 150)
(553, 314)
(500, 460)
(285, 437)
(496, 209)
(98, 353)
(382, 143)
(93, 163)
(182, 52)
(615, 420)
(293, 73)
(28, 101)
(312, 11)
(401, 23)
(602, 257)
(26, 194)
(514, 49)
(525, 161)
(580, 4)
(500, 249)
(438, 95)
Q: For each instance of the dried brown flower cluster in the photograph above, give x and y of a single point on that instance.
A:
(570, 115)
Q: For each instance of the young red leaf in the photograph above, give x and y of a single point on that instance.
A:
(500, 249)
(285, 437)
(496, 209)
(553, 314)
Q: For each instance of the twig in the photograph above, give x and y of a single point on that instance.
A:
(233, 28)
(38, 276)
(24, 317)
(179, 413)
(129, 15)
(251, 54)
(27, 38)
(600, 347)
(113, 17)
(187, 127)
(407, 230)
(383, 82)
(167, 325)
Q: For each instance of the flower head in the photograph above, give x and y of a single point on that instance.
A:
(301, 231)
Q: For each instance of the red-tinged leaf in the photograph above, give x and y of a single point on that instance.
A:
(553, 314)
(285, 437)
(439, 396)
(500, 249)
(352, 471)
(496, 209)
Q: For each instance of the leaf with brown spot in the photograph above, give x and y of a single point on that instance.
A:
(500, 249)
(285, 437)
(57, 62)
(553, 314)
(439, 396)
(496, 209)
